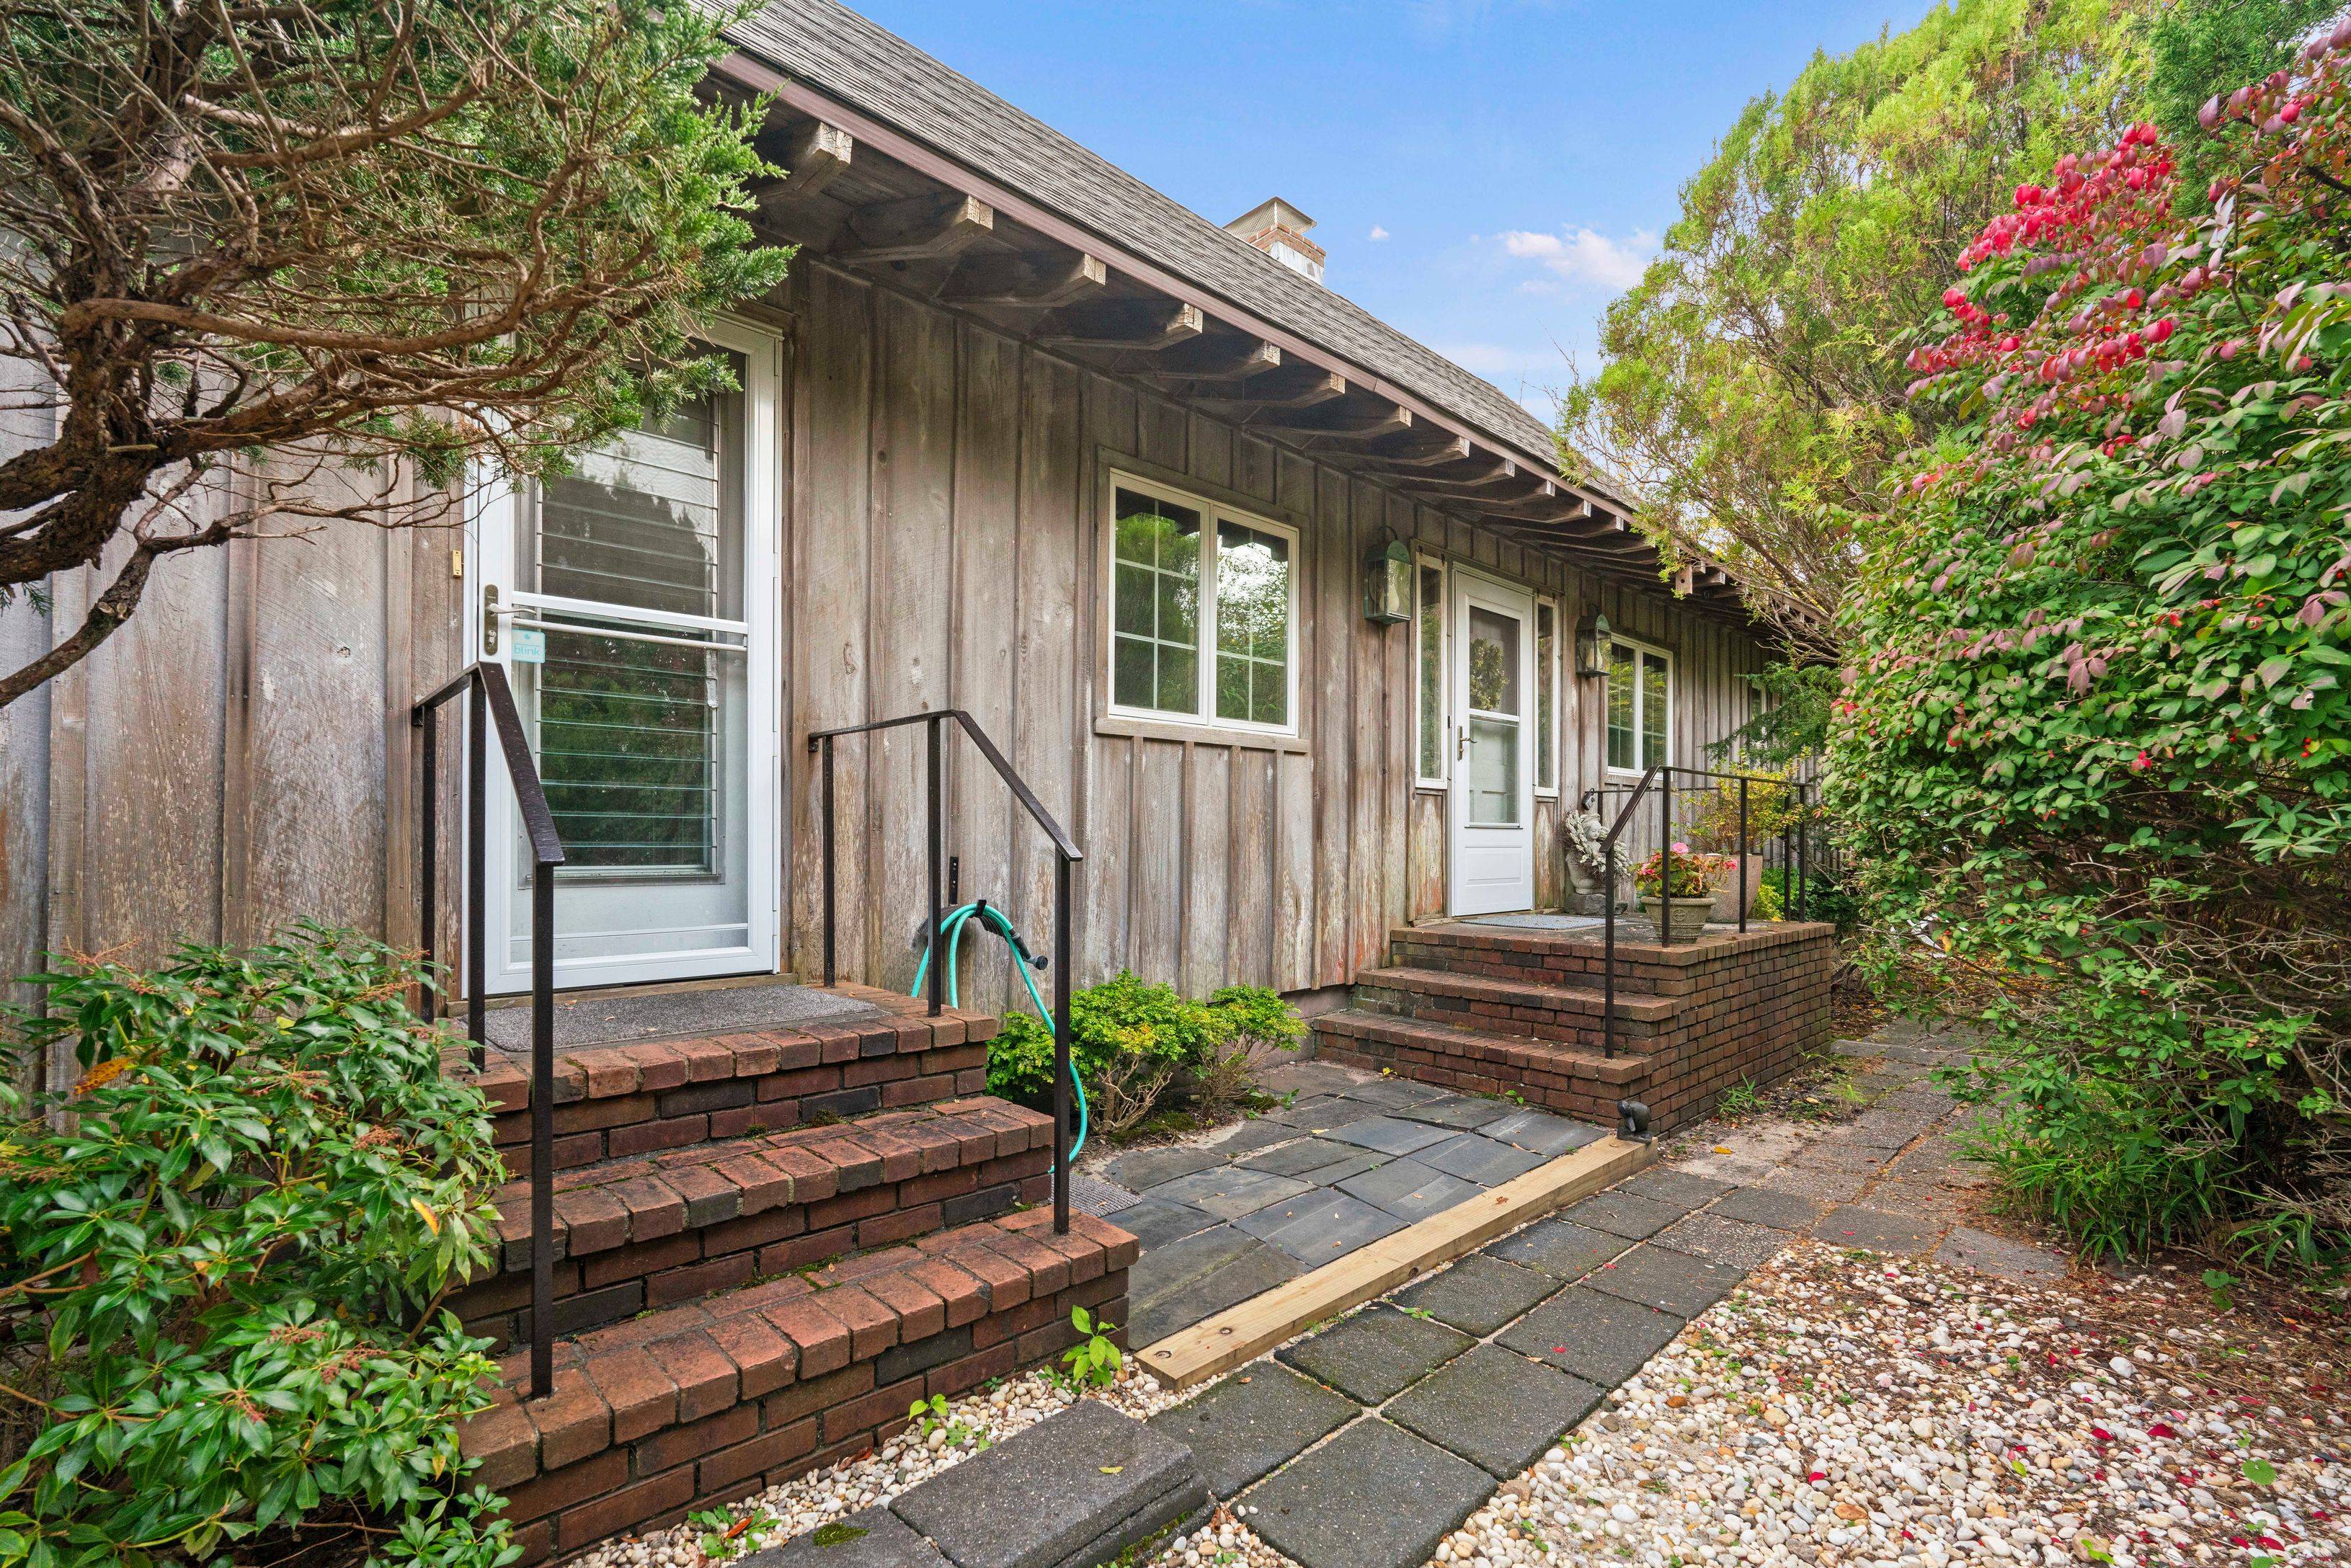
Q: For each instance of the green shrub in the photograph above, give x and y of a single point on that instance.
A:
(225, 1258)
(2096, 745)
(1766, 904)
(1138, 1046)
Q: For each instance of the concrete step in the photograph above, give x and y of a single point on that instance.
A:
(712, 1400)
(1572, 1081)
(1563, 1015)
(620, 1101)
(1075, 1490)
(634, 1234)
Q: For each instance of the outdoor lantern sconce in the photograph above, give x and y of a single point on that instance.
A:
(1388, 583)
(1595, 643)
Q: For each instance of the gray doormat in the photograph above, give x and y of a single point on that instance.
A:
(1539, 922)
(1091, 1194)
(580, 1023)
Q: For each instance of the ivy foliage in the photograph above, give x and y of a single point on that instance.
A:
(2095, 738)
(223, 1249)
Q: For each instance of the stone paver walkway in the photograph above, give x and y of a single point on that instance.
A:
(1365, 1443)
(1353, 1157)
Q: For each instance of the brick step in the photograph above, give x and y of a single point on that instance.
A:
(712, 1400)
(618, 1101)
(1547, 957)
(1567, 1079)
(1563, 1014)
(649, 1231)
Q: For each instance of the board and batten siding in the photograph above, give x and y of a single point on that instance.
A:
(946, 495)
(239, 755)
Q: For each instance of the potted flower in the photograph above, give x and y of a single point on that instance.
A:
(1680, 912)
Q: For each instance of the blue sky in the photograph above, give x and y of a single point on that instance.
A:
(1485, 173)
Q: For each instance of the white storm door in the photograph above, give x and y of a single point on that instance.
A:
(633, 602)
(1491, 804)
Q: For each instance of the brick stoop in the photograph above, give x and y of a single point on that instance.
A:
(1573, 1082)
(1504, 1010)
(647, 1232)
(618, 1101)
(709, 1401)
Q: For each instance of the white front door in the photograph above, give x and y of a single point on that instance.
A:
(1491, 805)
(633, 603)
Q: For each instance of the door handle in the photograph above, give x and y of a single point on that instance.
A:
(491, 611)
(1461, 742)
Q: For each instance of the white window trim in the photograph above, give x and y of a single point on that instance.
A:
(1212, 513)
(1644, 762)
(1553, 709)
(1442, 779)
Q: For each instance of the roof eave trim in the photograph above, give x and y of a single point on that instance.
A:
(758, 76)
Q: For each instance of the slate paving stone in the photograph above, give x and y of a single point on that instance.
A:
(1830, 1186)
(1316, 1229)
(1409, 1190)
(2016, 1261)
(1389, 1134)
(1307, 1076)
(1319, 1111)
(1078, 1487)
(1495, 1409)
(1174, 1286)
(1146, 1168)
(1376, 1354)
(871, 1538)
(1670, 1281)
(1620, 1213)
(1560, 1248)
(1392, 1093)
(1302, 1157)
(1258, 1133)
(1229, 1192)
(1600, 1338)
(1853, 1226)
(1684, 1190)
(1253, 1423)
(1462, 1112)
(1721, 1241)
(1373, 1497)
(1839, 1152)
(1473, 1156)
(1154, 1222)
(1478, 1294)
(1763, 1206)
(1541, 1133)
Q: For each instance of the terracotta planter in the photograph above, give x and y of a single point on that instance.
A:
(1741, 894)
(1689, 917)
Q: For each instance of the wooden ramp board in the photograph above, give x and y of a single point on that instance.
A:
(1245, 1331)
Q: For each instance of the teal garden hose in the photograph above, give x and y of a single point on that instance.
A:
(991, 918)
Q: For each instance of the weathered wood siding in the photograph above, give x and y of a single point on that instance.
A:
(944, 526)
(240, 757)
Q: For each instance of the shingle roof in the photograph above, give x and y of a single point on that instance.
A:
(836, 51)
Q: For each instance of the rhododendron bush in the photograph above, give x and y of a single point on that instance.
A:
(2095, 740)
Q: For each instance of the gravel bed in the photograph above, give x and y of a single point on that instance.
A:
(1850, 1409)
(781, 1512)
(1862, 1410)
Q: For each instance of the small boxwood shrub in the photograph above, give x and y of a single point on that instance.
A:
(223, 1248)
(1142, 1048)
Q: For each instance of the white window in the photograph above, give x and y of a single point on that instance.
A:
(1428, 657)
(1640, 707)
(1546, 697)
(1204, 611)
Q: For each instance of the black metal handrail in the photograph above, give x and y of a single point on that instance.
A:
(491, 702)
(1066, 856)
(1661, 775)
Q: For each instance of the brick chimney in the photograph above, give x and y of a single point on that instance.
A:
(1280, 230)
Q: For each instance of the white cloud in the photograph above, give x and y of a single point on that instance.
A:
(1378, 233)
(1586, 255)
